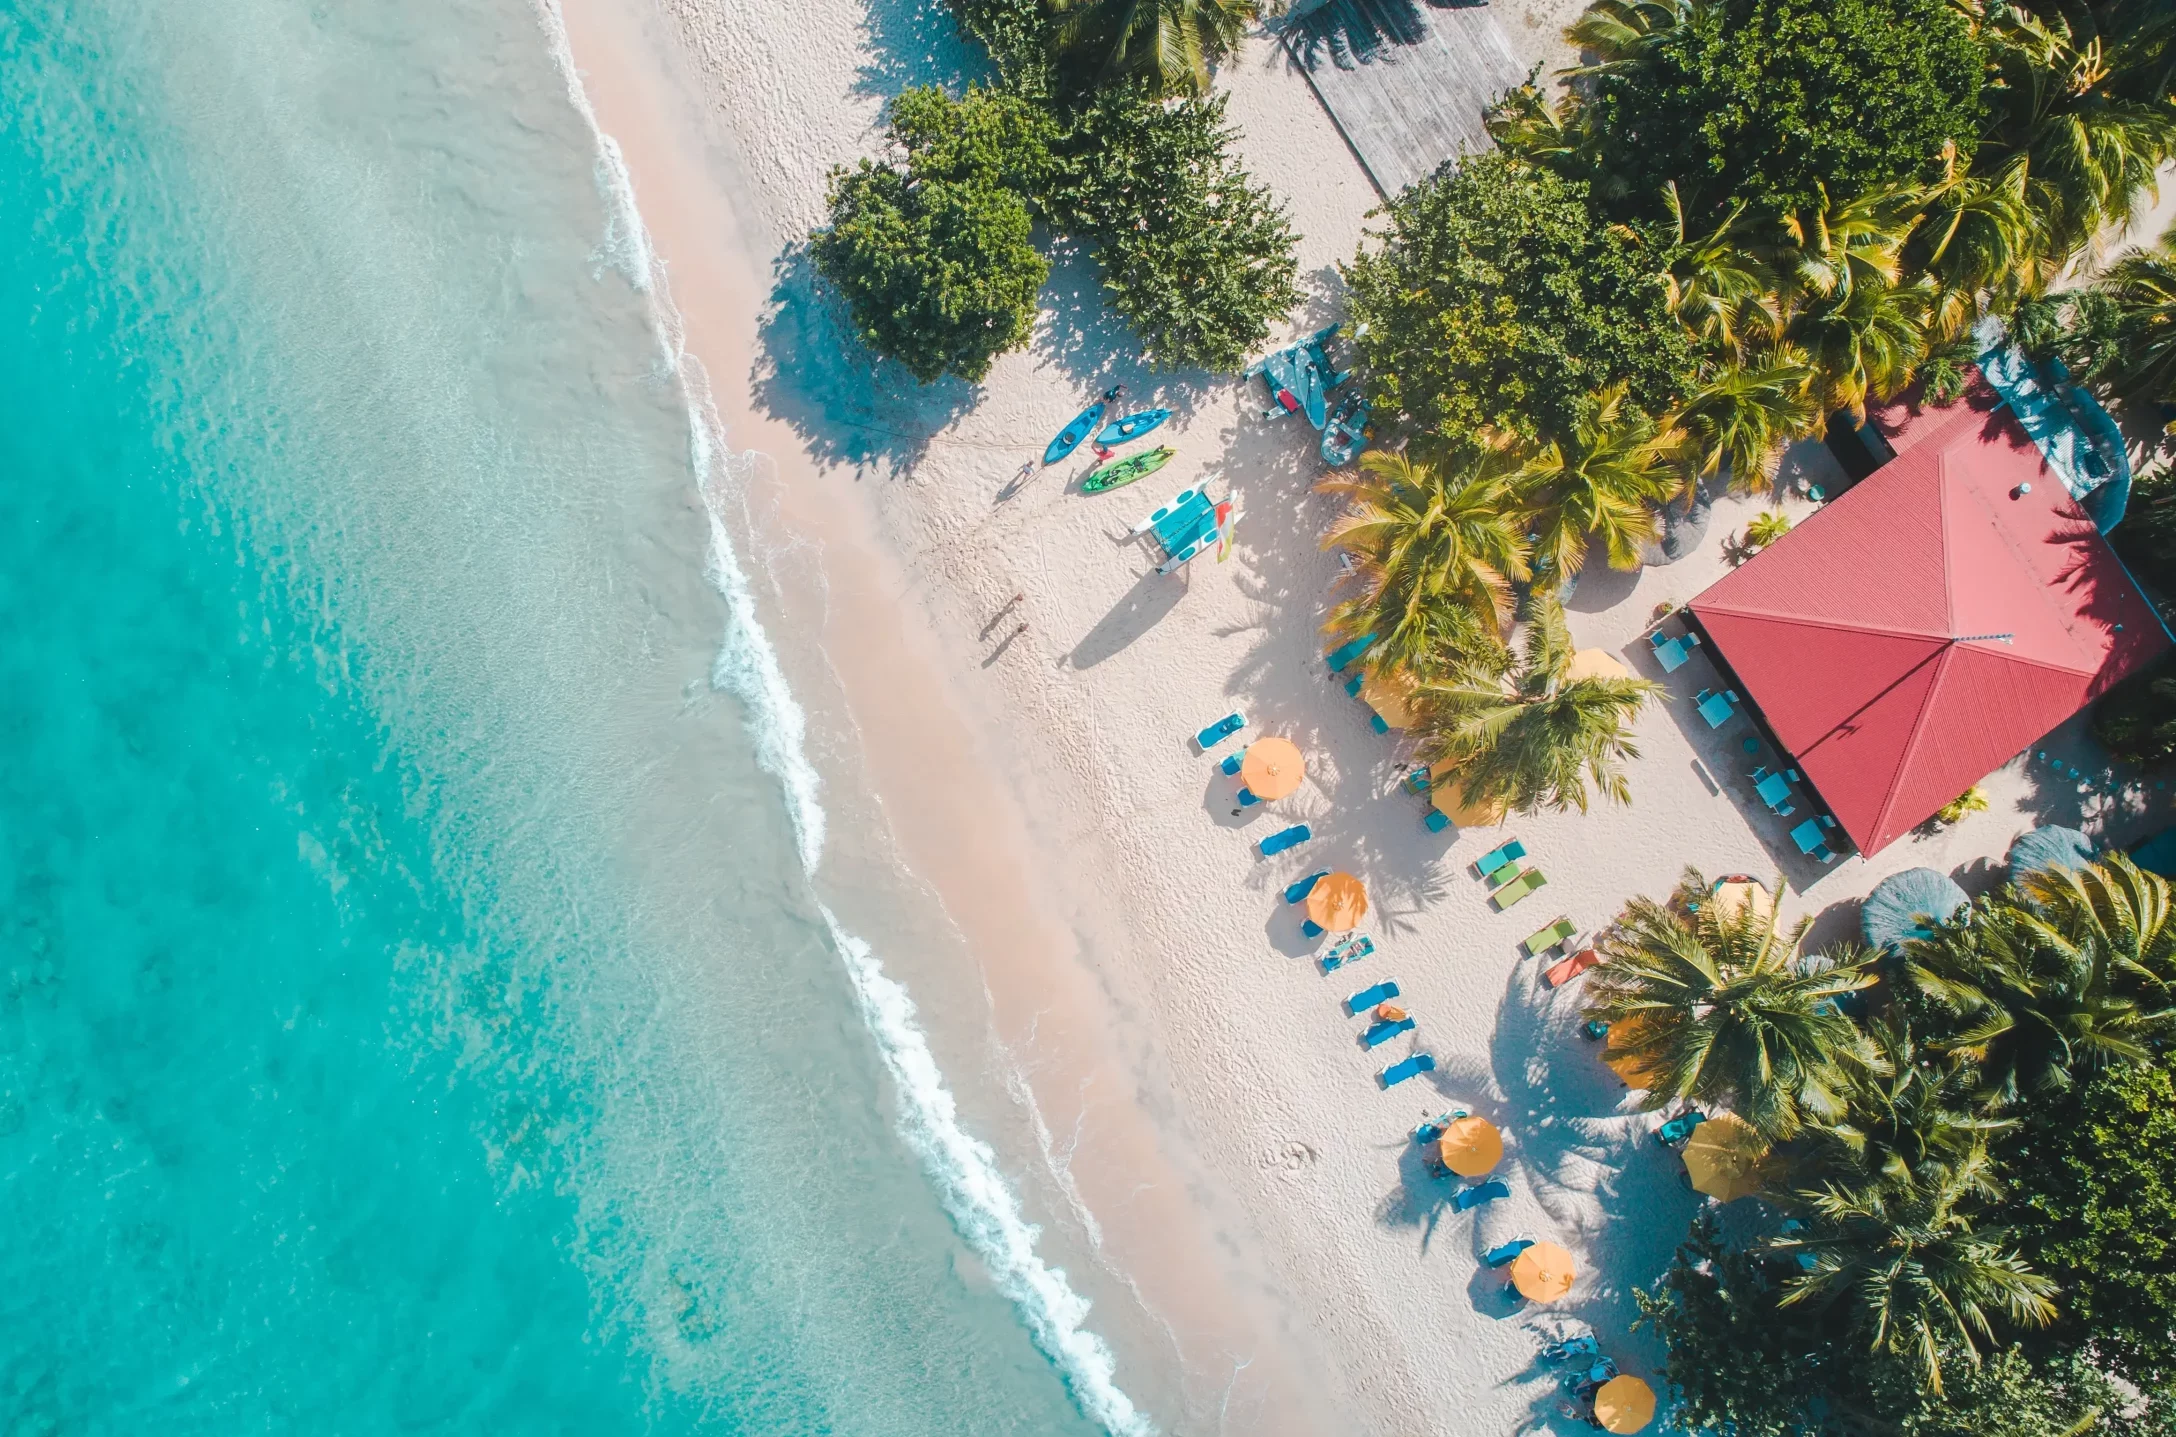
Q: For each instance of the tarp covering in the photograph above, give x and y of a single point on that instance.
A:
(1915, 634)
(1901, 904)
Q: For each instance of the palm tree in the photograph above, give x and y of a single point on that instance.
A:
(1981, 242)
(2032, 1006)
(1167, 45)
(1717, 1010)
(1620, 32)
(1599, 484)
(2066, 114)
(1864, 344)
(2141, 291)
(1907, 1269)
(1740, 419)
(1436, 544)
(1537, 738)
(2112, 906)
(1905, 1113)
(1719, 288)
(1828, 249)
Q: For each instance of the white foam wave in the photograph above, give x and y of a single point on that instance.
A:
(973, 1188)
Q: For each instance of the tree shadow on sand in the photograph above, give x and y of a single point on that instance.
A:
(912, 43)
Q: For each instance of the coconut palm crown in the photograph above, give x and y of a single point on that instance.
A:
(1599, 486)
(1538, 738)
(1716, 1009)
(1167, 46)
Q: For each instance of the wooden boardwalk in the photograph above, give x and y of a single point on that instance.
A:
(1406, 81)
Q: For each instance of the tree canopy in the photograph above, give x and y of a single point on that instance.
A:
(1773, 100)
(932, 248)
(1498, 301)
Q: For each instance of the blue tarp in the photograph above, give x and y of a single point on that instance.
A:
(2048, 846)
(2070, 428)
(1900, 905)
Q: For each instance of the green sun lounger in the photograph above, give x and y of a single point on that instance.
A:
(1516, 889)
(1536, 944)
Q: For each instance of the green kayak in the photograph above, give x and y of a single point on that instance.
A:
(1125, 471)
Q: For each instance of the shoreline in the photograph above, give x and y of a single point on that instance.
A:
(1271, 1254)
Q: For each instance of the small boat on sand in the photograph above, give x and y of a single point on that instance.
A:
(1121, 472)
(1346, 434)
(1133, 426)
(1083, 424)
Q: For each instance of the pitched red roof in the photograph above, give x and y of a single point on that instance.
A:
(1863, 635)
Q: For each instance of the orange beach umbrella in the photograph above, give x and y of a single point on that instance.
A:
(1723, 1157)
(1471, 1146)
(1450, 800)
(1337, 902)
(1620, 1053)
(1543, 1273)
(1272, 768)
(1624, 1404)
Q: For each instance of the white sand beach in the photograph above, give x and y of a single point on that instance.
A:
(1246, 1181)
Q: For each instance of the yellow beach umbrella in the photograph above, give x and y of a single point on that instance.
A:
(1447, 798)
(1723, 1157)
(1337, 902)
(1387, 696)
(1596, 664)
(1471, 1147)
(1624, 1404)
(1733, 894)
(1272, 768)
(1543, 1273)
(1637, 1069)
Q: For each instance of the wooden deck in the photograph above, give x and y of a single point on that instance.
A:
(1406, 81)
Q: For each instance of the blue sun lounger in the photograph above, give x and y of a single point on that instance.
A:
(1382, 1033)
(1352, 950)
(1500, 857)
(1411, 1067)
(1298, 892)
(1343, 656)
(1470, 1198)
(1232, 764)
(1219, 731)
(1291, 837)
(1679, 1128)
(1498, 1256)
(1368, 997)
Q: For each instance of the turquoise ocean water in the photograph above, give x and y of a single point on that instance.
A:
(417, 1013)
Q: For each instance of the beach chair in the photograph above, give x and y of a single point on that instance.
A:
(1298, 892)
(1246, 799)
(1352, 687)
(1382, 1033)
(1341, 657)
(1561, 973)
(1411, 1067)
(1502, 1256)
(1309, 928)
(1436, 820)
(1231, 764)
(1679, 1128)
(1536, 944)
(1470, 1198)
(1416, 781)
(1516, 889)
(1219, 731)
(1433, 1130)
(1497, 859)
(1285, 838)
(1569, 1348)
(1367, 998)
(1594, 1030)
(1352, 950)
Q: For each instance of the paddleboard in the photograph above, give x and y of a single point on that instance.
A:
(1069, 438)
(1133, 426)
(1125, 471)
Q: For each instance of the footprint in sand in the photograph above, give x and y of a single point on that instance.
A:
(1293, 1157)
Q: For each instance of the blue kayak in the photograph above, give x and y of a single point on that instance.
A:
(1084, 424)
(1133, 426)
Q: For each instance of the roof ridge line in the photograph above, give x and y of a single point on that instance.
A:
(1838, 626)
(1906, 750)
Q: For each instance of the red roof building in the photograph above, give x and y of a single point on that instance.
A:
(1919, 631)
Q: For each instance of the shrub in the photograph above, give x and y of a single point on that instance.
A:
(1766, 527)
(1498, 300)
(932, 250)
(1769, 99)
(1198, 258)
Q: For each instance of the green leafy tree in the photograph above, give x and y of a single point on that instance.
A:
(1914, 1276)
(1538, 738)
(1436, 544)
(931, 248)
(1598, 485)
(1766, 527)
(1717, 1010)
(1167, 46)
(1772, 100)
(1199, 259)
(2092, 1203)
(1496, 300)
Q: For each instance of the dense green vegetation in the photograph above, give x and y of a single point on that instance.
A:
(1776, 101)
(1975, 1155)
(931, 249)
(1109, 136)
